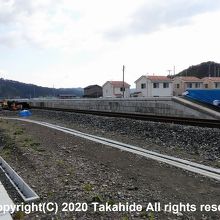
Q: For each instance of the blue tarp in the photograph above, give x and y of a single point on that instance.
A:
(25, 113)
(210, 96)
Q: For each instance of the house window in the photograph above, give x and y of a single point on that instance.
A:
(143, 85)
(206, 86)
(122, 89)
(197, 85)
(216, 85)
(165, 85)
(177, 86)
(189, 85)
(155, 85)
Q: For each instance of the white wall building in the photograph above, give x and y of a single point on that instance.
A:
(154, 86)
(114, 89)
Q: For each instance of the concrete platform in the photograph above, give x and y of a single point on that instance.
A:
(4, 200)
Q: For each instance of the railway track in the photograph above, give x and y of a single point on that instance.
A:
(173, 161)
(212, 123)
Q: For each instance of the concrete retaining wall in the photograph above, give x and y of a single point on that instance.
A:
(153, 106)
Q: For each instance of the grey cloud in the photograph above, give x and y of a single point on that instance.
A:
(157, 14)
(10, 34)
(12, 27)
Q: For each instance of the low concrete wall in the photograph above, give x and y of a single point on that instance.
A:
(152, 106)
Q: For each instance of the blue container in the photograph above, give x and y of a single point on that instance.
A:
(25, 113)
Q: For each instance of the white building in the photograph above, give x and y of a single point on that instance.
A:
(154, 86)
(114, 89)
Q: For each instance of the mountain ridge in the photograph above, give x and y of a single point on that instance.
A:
(204, 69)
(16, 89)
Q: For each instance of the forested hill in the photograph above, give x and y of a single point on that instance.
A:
(15, 89)
(205, 69)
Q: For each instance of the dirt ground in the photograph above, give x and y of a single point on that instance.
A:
(66, 169)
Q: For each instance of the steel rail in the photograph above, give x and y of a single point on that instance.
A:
(173, 161)
(212, 123)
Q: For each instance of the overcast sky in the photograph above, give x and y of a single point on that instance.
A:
(75, 43)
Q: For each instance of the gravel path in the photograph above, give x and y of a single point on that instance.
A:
(188, 142)
(63, 168)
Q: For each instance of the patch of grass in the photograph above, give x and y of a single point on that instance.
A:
(125, 217)
(6, 152)
(19, 131)
(151, 216)
(60, 163)
(70, 171)
(143, 213)
(50, 193)
(217, 164)
(28, 142)
(97, 198)
(111, 202)
(8, 146)
(87, 187)
(36, 146)
(19, 215)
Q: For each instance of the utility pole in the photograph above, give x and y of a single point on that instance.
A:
(174, 71)
(34, 91)
(215, 73)
(209, 70)
(53, 91)
(169, 72)
(123, 88)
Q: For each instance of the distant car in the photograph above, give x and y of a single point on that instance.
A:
(216, 103)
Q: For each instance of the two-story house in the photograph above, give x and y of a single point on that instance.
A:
(93, 91)
(211, 82)
(116, 89)
(182, 83)
(154, 86)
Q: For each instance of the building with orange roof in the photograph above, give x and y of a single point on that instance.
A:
(154, 86)
(211, 82)
(182, 83)
(114, 89)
